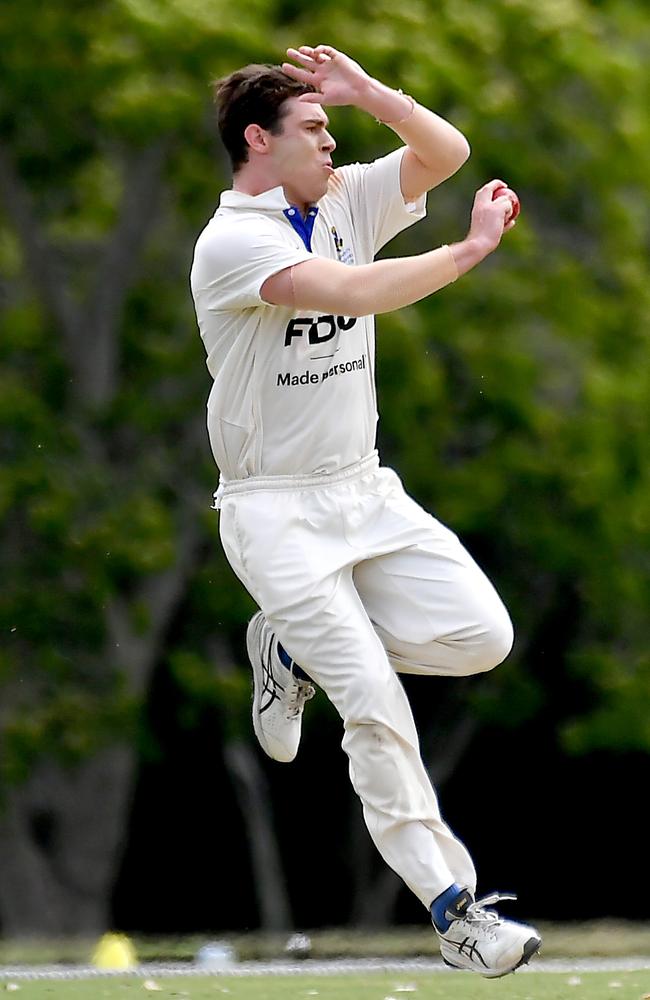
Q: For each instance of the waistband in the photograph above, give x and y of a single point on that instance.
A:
(317, 480)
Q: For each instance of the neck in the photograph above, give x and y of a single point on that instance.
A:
(295, 200)
(248, 181)
(301, 206)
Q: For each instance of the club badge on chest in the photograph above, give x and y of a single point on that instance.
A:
(344, 254)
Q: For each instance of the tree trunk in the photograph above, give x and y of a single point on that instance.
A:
(90, 329)
(252, 793)
(62, 832)
(61, 842)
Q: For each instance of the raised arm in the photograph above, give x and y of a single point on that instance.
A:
(385, 285)
(435, 148)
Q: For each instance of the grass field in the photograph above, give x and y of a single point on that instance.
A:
(369, 986)
(605, 938)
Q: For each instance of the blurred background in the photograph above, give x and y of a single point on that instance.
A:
(515, 405)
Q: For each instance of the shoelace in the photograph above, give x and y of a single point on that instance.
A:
(477, 912)
(301, 691)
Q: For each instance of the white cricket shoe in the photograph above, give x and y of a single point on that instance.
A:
(481, 941)
(278, 696)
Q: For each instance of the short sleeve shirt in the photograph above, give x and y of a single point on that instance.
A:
(293, 391)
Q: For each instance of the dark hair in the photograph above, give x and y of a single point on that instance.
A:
(253, 95)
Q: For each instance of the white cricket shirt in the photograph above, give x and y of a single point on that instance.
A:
(294, 391)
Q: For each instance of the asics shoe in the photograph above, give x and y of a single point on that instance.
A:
(480, 940)
(278, 696)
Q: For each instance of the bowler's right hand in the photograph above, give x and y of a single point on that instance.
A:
(491, 217)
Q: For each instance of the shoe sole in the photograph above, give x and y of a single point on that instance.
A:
(531, 948)
(253, 649)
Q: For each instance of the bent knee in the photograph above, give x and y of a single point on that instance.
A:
(471, 650)
(492, 648)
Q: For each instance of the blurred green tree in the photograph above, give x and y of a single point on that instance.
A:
(106, 173)
(515, 404)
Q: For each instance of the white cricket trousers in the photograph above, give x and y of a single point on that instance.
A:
(359, 584)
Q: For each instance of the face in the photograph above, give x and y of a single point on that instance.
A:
(301, 156)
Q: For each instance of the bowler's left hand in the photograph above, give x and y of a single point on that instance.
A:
(338, 79)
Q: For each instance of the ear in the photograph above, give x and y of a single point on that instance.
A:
(257, 138)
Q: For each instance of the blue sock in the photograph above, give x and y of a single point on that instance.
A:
(441, 904)
(286, 661)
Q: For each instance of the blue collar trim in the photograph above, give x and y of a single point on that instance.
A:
(304, 227)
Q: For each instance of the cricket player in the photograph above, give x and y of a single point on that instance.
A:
(355, 582)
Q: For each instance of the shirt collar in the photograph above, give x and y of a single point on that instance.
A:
(272, 200)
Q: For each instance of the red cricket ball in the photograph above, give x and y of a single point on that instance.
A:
(516, 206)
